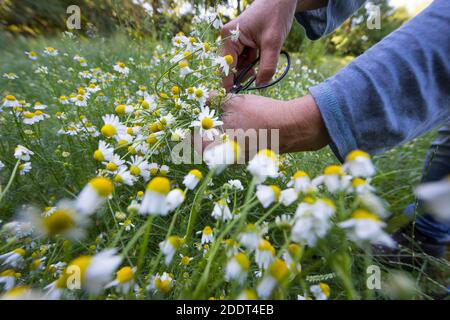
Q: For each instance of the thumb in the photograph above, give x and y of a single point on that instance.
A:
(267, 65)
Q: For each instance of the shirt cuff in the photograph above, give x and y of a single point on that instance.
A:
(342, 138)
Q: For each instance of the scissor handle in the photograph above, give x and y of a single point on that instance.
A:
(237, 87)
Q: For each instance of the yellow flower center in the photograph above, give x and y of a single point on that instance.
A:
(162, 285)
(10, 98)
(187, 55)
(120, 109)
(175, 90)
(58, 222)
(300, 174)
(207, 123)
(355, 154)
(108, 130)
(118, 178)
(8, 273)
(199, 93)
(183, 64)
(126, 274)
(19, 251)
(121, 65)
(358, 182)
(228, 59)
(135, 171)
(28, 115)
(279, 270)
(103, 186)
(159, 185)
(185, 260)
(325, 289)
(207, 230)
(190, 90)
(276, 191)
(242, 260)
(333, 170)
(83, 263)
(196, 173)
(268, 153)
(111, 166)
(206, 46)
(38, 112)
(364, 214)
(265, 245)
(175, 241)
(98, 156)
(294, 250)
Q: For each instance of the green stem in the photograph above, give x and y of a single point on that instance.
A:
(144, 244)
(11, 178)
(196, 206)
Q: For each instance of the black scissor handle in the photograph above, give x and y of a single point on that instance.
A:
(238, 87)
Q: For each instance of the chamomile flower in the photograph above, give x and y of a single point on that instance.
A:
(301, 182)
(192, 179)
(63, 220)
(250, 237)
(207, 235)
(207, 124)
(123, 109)
(359, 164)
(139, 167)
(124, 281)
(161, 283)
(175, 198)
(221, 211)
(127, 225)
(236, 184)
(334, 178)
(276, 276)
(112, 126)
(288, 196)
(219, 156)
(320, 291)
(365, 226)
(264, 164)
(265, 254)
(235, 33)
(178, 135)
(95, 271)
(50, 51)
(201, 95)
(121, 68)
(184, 68)
(224, 63)
(22, 153)
(32, 55)
(94, 194)
(291, 256)
(24, 168)
(267, 194)
(155, 198)
(124, 176)
(8, 279)
(169, 247)
(14, 258)
(312, 221)
(361, 186)
(237, 268)
(11, 101)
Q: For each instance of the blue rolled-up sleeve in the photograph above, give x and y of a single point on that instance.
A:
(394, 92)
(323, 21)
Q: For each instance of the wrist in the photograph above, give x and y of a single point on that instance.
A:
(304, 128)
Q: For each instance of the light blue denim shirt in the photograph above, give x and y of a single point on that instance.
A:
(395, 91)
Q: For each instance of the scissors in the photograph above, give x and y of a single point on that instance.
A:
(238, 86)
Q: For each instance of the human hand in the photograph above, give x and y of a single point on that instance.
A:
(263, 26)
(299, 121)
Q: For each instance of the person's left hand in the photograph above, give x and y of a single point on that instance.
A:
(299, 121)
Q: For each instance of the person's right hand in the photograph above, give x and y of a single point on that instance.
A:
(263, 26)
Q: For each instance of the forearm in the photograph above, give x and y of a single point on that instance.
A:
(394, 92)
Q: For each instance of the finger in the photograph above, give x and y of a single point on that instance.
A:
(267, 66)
